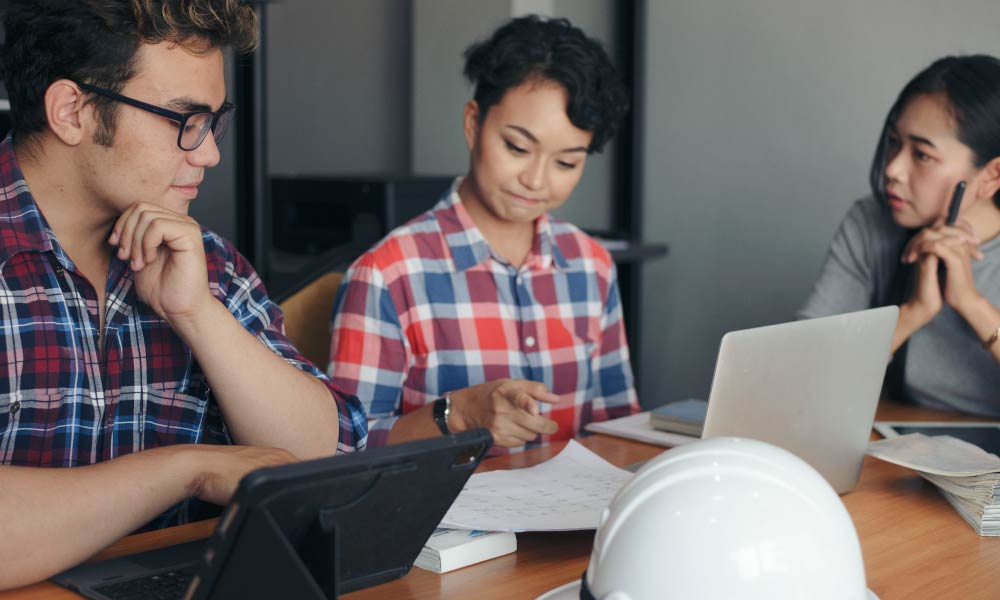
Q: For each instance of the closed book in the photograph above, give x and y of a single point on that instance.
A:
(449, 549)
(686, 417)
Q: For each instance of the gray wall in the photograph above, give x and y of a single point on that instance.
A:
(338, 86)
(337, 97)
(760, 122)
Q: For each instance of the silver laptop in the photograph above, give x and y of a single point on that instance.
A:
(810, 387)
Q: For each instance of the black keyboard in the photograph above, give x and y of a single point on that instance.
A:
(162, 586)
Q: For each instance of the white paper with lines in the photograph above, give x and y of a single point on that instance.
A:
(564, 493)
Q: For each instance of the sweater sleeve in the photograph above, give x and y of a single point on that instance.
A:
(851, 273)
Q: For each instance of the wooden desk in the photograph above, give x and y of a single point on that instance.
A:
(914, 544)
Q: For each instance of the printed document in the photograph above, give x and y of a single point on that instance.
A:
(567, 492)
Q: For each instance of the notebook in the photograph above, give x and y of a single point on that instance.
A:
(309, 530)
(686, 417)
(810, 387)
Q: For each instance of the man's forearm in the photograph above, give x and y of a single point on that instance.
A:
(265, 400)
(55, 518)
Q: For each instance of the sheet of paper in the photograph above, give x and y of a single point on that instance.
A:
(637, 427)
(938, 454)
(564, 493)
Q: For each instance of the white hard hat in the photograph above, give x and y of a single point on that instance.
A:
(724, 518)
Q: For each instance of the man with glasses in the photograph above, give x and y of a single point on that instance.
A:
(137, 347)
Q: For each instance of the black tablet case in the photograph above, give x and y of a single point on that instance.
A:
(320, 528)
(314, 529)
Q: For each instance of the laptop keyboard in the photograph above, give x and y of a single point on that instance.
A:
(162, 586)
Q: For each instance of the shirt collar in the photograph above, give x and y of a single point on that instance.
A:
(469, 247)
(23, 228)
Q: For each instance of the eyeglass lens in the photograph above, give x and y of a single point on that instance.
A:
(198, 125)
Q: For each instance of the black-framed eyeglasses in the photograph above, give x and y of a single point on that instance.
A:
(193, 127)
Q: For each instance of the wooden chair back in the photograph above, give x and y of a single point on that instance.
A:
(307, 317)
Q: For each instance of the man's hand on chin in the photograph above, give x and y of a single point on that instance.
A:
(167, 255)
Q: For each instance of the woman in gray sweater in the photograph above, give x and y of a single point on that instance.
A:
(899, 248)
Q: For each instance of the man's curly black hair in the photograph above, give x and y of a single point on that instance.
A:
(550, 50)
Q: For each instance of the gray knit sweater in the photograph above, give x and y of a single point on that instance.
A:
(946, 365)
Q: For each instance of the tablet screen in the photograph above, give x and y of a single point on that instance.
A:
(986, 437)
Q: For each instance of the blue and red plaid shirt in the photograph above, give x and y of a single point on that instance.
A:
(64, 401)
(431, 309)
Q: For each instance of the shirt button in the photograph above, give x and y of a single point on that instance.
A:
(59, 271)
(14, 407)
(529, 341)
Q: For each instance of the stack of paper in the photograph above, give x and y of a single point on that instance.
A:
(967, 475)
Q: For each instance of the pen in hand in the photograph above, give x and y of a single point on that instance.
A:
(955, 204)
(953, 207)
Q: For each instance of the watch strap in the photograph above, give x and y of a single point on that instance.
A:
(442, 408)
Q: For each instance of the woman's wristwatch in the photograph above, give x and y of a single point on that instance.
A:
(442, 408)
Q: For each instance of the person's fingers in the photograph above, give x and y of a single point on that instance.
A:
(535, 423)
(972, 240)
(964, 236)
(545, 425)
(121, 232)
(151, 230)
(951, 255)
(911, 252)
(142, 246)
(930, 246)
(537, 390)
(222, 468)
(523, 401)
(511, 435)
(130, 240)
(966, 228)
(961, 230)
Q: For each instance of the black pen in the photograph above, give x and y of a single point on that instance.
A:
(955, 204)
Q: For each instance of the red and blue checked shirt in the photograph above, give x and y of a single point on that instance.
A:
(431, 309)
(66, 402)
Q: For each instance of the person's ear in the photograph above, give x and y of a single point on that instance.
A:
(470, 123)
(989, 179)
(64, 108)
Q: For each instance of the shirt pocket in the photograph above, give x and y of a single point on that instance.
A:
(42, 364)
(175, 413)
(37, 398)
(32, 423)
